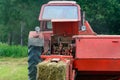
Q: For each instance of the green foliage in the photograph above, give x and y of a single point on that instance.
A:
(103, 15)
(13, 50)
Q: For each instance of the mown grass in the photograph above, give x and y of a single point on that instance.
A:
(12, 66)
(12, 51)
(13, 69)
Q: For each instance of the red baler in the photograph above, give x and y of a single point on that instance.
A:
(65, 34)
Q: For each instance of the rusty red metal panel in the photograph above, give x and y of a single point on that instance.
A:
(65, 28)
(46, 35)
(97, 65)
(97, 53)
(97, 46)
(42, 34)
(56, 56)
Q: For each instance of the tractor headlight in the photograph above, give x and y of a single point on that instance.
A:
(83, 28)
(37, 29)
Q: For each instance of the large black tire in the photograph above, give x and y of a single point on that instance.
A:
(34, 53)
(76, 75)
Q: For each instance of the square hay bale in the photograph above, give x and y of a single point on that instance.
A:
(48, 70)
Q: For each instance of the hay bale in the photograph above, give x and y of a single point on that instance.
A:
(48, 70)
(41, 67)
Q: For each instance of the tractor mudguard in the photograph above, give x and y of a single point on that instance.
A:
(35, 42)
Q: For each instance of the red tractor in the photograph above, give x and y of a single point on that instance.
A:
(65, 34)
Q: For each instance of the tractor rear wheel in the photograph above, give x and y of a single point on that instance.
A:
(34, 53)
(76, 75)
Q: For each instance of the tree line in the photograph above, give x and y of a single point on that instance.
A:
(18, 17)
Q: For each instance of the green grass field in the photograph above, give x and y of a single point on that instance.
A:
(13, 68)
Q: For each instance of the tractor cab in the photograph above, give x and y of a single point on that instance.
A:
(63, 19)
(60, 21)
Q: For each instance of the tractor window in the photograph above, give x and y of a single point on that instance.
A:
(49, 25)
(46, 25)
(60, 12)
